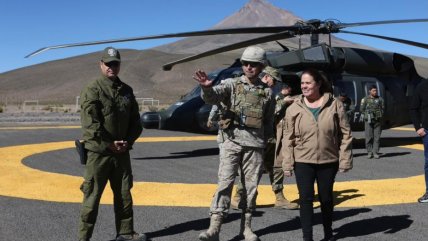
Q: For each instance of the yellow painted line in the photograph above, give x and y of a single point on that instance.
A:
(39, 127)
(403, 129)
(18, 180)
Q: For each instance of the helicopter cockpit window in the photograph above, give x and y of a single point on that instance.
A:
(316, 54)
(345, 87)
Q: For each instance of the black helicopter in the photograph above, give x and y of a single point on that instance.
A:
(350, 70)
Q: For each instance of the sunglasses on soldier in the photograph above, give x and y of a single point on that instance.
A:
(112, 64)
(252, 64)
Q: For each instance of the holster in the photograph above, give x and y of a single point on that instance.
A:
(83, 153)
(226, 120)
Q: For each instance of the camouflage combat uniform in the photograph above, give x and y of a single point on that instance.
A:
(245, 126)
(372, 108)
(109, 112)
(276, 175)
(349, 108)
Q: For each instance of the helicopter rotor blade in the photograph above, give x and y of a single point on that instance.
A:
(264, 39)
(403, 41)
(173, 35)
(347, 25)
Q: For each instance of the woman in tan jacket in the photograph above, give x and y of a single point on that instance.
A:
(316, 143)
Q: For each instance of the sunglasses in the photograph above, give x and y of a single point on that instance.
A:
(252, 64)
(113, 64)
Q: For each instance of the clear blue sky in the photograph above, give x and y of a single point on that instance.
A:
(29, 25)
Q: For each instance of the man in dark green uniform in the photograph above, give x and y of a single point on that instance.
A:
(110, 124)
(372, 107)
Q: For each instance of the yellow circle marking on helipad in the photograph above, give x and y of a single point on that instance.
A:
(18, 180)
(403, 129)
(39, 127)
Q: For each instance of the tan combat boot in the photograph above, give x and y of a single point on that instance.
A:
(213, 232)
(246, 230)
(234, 201)
(282, 202)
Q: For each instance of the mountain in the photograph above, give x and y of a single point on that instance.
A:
(60, 81)
(256, 13)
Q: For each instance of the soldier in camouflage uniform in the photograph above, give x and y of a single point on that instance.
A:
(110, 125)
(347, 104)
(271, 77)
(245, 123)
(372, 108)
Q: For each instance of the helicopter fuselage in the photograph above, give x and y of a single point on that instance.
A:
(351, 71)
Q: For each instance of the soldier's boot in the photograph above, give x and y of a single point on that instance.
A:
(282, 202)
(132, 237)
(213, 232)
(236, 199)
(246, 230)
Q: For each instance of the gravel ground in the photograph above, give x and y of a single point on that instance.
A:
(39, 118)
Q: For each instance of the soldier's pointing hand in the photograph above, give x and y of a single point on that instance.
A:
(202, 78)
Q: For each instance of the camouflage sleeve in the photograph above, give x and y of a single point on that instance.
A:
(213, 113)
(268, 120)
(135, 128)
(345, 153)
(363, 105)
(279, 105)
(278, 154)
(219, 93)
(288, 142)
(96, 138)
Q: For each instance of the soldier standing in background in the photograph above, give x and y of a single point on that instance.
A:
(213, 117)
(419, 113)
(110, 125)
(271, 77)
(246, 122)
(372, 107)
(347, 104)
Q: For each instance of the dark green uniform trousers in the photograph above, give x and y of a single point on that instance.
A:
(99, 169)
(372, 132)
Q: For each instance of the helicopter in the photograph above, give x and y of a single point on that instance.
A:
(350, 70)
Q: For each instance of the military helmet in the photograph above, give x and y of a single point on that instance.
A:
(272, 72)
(254, 54)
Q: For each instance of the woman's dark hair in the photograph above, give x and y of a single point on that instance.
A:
(319, 79)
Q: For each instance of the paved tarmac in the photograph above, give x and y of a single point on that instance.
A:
(175, 174)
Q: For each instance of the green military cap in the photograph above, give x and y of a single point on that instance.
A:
(272, 72)
(110, 54)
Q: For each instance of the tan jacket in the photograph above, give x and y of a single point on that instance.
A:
(304, 139)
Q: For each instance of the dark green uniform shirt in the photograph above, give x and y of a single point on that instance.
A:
(109, 112)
